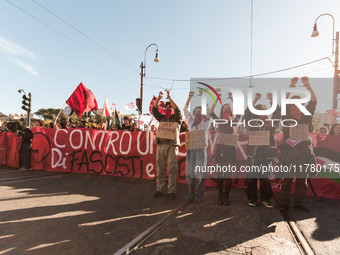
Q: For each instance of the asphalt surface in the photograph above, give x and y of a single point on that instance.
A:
(96, 214)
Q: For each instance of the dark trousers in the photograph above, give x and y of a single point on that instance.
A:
(300, 191)
(224, 157)
(25, 155)
(266, 192)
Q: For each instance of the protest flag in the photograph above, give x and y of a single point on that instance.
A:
(131, 106)
(332, 115)
(116, 120)
(161, 105)
(106, 108)
(82, 100)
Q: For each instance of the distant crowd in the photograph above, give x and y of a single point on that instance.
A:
(15, 126)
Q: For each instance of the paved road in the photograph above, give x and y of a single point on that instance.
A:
(91, 214)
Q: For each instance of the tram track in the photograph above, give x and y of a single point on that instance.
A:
(31, 177)
(294, 230)
(300, 241)
(298, 237)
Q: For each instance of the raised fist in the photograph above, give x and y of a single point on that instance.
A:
(191, 93)
(293, 81)
(258, 96)
(305, 80)
(230, 95)
(161, 94)
(269, 96)
(168, 93)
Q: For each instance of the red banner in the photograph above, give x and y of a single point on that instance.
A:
(133, 154)
(10, 144)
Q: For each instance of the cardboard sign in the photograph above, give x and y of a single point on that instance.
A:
(167, 130)
(195, 139)
(300, 132)
(259, 138)
(227, 139)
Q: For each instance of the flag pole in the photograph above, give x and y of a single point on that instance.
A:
(55, 121)
(114, 117)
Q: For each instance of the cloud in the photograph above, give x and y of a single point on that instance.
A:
(13, 49)
(25, 66)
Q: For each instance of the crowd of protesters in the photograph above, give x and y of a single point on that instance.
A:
(292, 151)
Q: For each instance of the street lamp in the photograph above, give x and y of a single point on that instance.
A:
(142, 74)
(336, 84)
(21, 90)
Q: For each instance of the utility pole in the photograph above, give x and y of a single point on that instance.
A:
(336, 85)
(141, 88)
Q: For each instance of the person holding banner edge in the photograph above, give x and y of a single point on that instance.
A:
(167, 149)
(295, 152)
(260, 153)
(196, 156)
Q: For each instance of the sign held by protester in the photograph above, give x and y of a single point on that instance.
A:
(259, 138)
(195, 139)
(300, 132)
(227, 139)
(167, 130)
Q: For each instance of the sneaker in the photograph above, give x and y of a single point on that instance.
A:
(267, 204)
(226, 201)
(172, 196)
(157, 194)
(301, 208)
(283, 207)
(188, 199)
(252, 202)
(197, 201)
(23, 169)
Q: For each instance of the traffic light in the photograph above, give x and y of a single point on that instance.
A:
(27, 102)
(138, 104)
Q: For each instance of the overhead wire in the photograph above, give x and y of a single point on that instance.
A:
(251, 48)
(80, 44)
(85, 35)
(248, 76)
(70, 39)
(251, 45)
(93, 41)
(150, 78)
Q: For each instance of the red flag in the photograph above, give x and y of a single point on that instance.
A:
(82, 100)
(161, 105)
